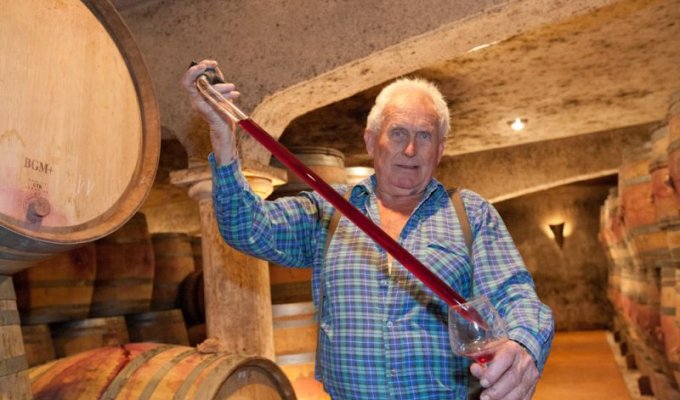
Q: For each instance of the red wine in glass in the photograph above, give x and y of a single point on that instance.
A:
(482, 352)
(472, 339)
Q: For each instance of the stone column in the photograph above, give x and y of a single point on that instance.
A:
(237, 291)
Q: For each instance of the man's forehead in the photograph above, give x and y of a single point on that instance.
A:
(410, 107)
(410, 99)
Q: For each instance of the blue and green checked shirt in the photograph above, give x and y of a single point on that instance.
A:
(384, 336)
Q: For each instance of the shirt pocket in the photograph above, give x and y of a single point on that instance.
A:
(451, 263)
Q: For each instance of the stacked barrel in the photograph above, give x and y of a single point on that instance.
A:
(671, 277)
(121, 288)
(640, 227)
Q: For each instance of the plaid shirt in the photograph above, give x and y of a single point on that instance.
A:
(384, 336)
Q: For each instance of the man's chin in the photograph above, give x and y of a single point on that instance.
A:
(407, 186)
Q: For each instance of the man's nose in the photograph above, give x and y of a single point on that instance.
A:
(410, 149)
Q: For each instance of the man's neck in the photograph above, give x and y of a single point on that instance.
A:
(402, 204)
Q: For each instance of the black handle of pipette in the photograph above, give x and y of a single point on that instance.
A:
(209, 73)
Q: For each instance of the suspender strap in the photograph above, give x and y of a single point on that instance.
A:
(474, 387)
(462, 218)
(333, 225)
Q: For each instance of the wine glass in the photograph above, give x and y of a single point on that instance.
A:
(476, 330)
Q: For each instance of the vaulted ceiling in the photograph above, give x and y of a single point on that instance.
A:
(612, 68)
(589, 77)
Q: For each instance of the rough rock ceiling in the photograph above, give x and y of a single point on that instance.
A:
(613, 68)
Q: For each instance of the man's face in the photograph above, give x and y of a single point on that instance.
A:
(408, 148)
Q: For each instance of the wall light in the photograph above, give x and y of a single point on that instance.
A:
(558, 233)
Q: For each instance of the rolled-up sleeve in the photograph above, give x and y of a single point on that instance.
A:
(283, 231)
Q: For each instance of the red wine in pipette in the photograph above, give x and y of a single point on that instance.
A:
(229, 110)
(390, 245)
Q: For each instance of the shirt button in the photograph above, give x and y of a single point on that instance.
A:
(392, 373)
(384, 282)
(390, 324)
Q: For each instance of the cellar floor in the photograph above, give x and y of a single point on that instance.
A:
(586, 365)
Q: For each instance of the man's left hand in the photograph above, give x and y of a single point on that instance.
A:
(512, 375)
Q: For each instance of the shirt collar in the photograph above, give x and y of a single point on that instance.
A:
(368, 186)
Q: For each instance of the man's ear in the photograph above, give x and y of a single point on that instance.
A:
(440, 151)
(369, 139)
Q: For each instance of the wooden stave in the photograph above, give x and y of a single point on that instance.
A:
(165, 326)
(124, 281)
(38, 344)
(673, 121)
(295, 337)
(57, 289)
(290, 285)
(192, 298)
(174, 261)
(13, 364)
(197, 249)
(73, 337)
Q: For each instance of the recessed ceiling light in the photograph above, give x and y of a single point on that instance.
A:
(518, 124)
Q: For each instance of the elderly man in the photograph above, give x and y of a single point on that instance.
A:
(383, 333)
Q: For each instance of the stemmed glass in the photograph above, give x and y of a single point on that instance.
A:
(476, 330)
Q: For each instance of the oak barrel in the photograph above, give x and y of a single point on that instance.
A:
(327, 163)
(147, 371)
(76, 161)
(295, 336)
(74, 337)
(192, 298)
(635, 188)
(613, 238)
(290, 285)
(197, 334)
(671, 330)
(174, 261)
(37, 344)
(14, 382)
(57, 289)
(644, 240)
(674, 355)
(125, 270)
(197, 250)
(666, 204)
(158, 326)
(358, 174)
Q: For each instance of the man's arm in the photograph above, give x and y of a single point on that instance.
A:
(283, 231)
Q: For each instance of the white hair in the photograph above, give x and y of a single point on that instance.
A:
(375, 117)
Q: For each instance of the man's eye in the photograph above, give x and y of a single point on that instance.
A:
(397, 133)
(425, 135)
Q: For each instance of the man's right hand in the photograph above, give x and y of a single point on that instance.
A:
(221, 127)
